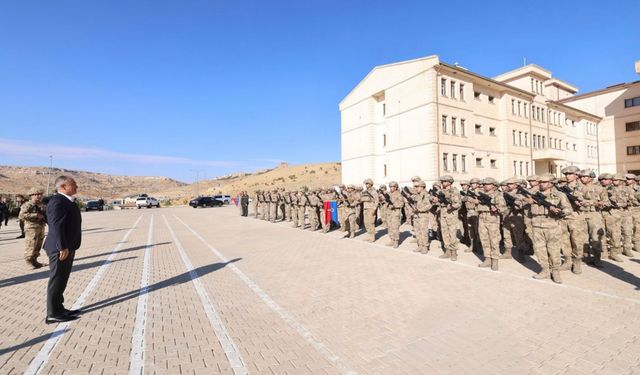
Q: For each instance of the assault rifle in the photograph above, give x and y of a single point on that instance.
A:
(484, 199)
(440, 195)
(538, 198)
(386, 196)
(569, 193)
(344, 197)
(509, 199)
(407, 195)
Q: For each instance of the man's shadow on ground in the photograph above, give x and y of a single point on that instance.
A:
(179, 279)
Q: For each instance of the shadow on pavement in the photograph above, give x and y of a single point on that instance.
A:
(107, 231)
(121, 251)
(619, 273)
(32, 342)
(179, 279)
(45, 274)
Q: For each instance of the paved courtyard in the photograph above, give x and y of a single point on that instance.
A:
(183, 291)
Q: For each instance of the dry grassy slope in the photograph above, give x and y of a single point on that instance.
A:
(18, 180)
(289, 177)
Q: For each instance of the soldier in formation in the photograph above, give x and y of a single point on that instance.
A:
(33, 214)
(562, 221)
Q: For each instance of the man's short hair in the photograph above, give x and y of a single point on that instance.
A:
(61, 180)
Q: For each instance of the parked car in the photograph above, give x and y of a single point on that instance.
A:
(93, 206)
(204, 202)
(226, 199)
(147, 202)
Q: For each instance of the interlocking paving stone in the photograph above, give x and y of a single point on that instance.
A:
(378, 310)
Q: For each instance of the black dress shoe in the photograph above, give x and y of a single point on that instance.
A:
(20, 236)
(59, 319)
(72, 312)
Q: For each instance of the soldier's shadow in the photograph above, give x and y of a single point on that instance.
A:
(620, 273)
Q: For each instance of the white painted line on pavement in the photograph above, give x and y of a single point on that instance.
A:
(43, 355)
(138, 343)
(230, 349)
(284, 314)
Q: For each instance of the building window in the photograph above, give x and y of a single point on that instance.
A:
(463, 163)
(443, 87)
(519, 102)
(513, 134)
(454, 125)
(454, 162)
(385, 170)
(478, 129)
(567, 146)
(632, 126)
(527, 163)
(493, 163)
(479, 162)
(532, 88)
(633, 102)
(476, 95)
(444, 124)
(515, 172)
(519, 138)
(461, 90)
(384, 140)
(513, 106)
(533, 141)
(633, 150)
(384, 109)
(445, 164)
(491, 98)
(525, 111)
(463, 128)
(575, 147)
(520, 168)
(542, 114)
(453, 89)
(492, 132)
(543, 141)
(526, 139)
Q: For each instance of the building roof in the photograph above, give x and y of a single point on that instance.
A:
(569, 108)
(487, 79)
(616, 87)
(527, 69)
(562, 84)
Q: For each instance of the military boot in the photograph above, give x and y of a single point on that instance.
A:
(447, 254)
(628, 253)
(615, 257)
(395, 244)
(469, 249)
(414, 240)
(454, 255)
(485, 263)
(567, 265)
(544, 274)
(555, 276)
(390, 243)
(596, 261)
(352, 235)
(506, 255)
(521, 257)
(577, 267)
(418, 249)
(494, 264)
(425, 250)
(372, 238)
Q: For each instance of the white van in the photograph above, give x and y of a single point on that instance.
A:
(226, 199)
(147, 202)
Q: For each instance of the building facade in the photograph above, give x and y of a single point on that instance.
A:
(619, 129)
(428, 118)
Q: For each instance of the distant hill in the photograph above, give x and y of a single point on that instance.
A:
(284, 175)
(18, 180)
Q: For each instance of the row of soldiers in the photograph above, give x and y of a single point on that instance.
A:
(575, 218)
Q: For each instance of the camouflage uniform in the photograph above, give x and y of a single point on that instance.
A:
(471, 205)
(547, 235)
(369, 199)
(489, 225)
(613, 217)
(408, 211)
(341, 211)
(383, 206)
(33, 215)
(353, 199)
(635, 213)
(293, 198)
(255, 203)
(513, 223)
(574, 226)
(627, 215)
(286, 199)
(303, 201)
(528, 226)
(594, 200)
(449, 221)
(422, 208)
(394, 214)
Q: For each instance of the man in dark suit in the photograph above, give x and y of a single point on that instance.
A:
(64, 220)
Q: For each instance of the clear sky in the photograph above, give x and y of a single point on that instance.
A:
(184, 88)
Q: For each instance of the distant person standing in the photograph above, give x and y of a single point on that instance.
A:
(4, 211)
(244, 203)
(64, 238)
(19, 203)
(32, 214)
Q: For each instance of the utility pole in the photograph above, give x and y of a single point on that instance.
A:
(49, 177)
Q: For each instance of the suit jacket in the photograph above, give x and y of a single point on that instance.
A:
(65, 225)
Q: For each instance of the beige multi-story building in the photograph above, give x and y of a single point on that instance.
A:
(619, 129)
(429, 118)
